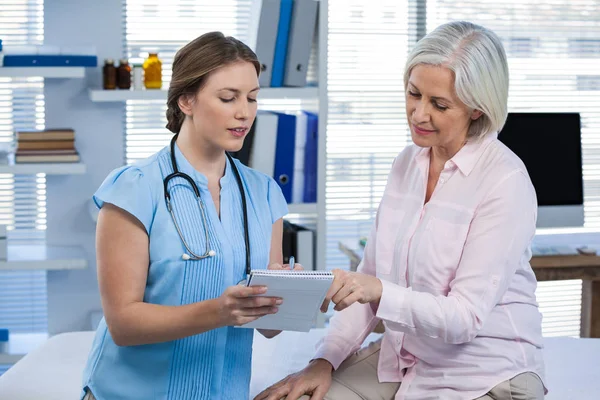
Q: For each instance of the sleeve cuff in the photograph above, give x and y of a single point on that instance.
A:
(392, 303)
(332, 352)
(277, 203)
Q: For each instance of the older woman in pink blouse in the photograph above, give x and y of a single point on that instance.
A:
(446, 267)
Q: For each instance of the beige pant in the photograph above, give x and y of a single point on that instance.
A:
(89, 396)
(356, 379)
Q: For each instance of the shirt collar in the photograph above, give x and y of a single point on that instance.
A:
(469, 154)
(201, 180)
(465, 159)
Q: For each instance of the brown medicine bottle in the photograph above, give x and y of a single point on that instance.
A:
(109, 74)
(124, 74)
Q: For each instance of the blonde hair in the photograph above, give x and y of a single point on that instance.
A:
(195, 61)
(477, 58)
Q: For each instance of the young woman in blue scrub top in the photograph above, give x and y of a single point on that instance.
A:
(173, 236)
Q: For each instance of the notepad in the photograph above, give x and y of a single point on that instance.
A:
(302, 292)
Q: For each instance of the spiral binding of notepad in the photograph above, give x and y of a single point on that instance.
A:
(292, 274)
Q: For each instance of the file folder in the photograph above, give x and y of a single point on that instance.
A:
(311, 158)
(285, 153)
(302, 30)
(300, 146)
(244, 153)
(281, 43)
(299, 242)
(262, 34)
(264, 144)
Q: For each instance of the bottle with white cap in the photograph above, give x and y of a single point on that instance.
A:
(137, 73)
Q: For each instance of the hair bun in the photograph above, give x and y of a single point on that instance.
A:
(174, 119)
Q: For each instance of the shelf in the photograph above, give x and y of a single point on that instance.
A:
(19, 344)
(265, 93)
(44, 72)
(303, 208)
(41, 257)
(46, 168)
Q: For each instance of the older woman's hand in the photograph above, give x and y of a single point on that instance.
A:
(351, 287)
(315, 380)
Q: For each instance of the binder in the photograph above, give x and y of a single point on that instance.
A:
(300, 146)
(264, 143)
(311, 158)
(302, 292)
(299, 242)
(244, 153)
(281, 43)
(284, 153)
(262, 34)
(302, 30)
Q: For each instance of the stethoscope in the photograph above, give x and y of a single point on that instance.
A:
(190, 255)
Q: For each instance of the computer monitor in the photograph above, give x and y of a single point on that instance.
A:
(549, 144)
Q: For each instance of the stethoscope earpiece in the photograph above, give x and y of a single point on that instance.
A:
(185, 257)
(212, 253)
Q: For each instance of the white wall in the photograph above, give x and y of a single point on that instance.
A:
(72, 295)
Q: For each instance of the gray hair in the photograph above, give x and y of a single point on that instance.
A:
(477, 58)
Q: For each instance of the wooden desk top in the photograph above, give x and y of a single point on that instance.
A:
(570, 261)
(546, 268)
(556, 268)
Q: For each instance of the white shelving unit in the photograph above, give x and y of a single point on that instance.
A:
(19, 344)
(99, 95)
(321, 234)
(46, 168)
(303, 208)
(40, 257)
(42, 72)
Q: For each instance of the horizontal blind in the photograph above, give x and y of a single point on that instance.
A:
(366, 128)
(553, 49)
(154, 25)
(23, 302)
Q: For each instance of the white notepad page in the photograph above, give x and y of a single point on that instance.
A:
(302, 292)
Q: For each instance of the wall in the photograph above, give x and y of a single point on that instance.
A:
(72, 295)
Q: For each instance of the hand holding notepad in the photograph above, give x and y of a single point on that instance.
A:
(302, 292)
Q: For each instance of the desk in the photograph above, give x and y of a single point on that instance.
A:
(586, 268)
(552, 268)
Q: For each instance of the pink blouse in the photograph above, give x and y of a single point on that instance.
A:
(458, 299)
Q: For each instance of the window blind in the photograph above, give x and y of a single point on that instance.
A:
(366, 127)
(166, 26)
(22, 197)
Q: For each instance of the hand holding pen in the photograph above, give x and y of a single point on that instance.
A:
(291, 266)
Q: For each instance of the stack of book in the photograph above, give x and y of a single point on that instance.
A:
(47, 146)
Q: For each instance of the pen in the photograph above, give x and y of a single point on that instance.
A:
(292, 262)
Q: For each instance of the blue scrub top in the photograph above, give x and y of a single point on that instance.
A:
(215, 364)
